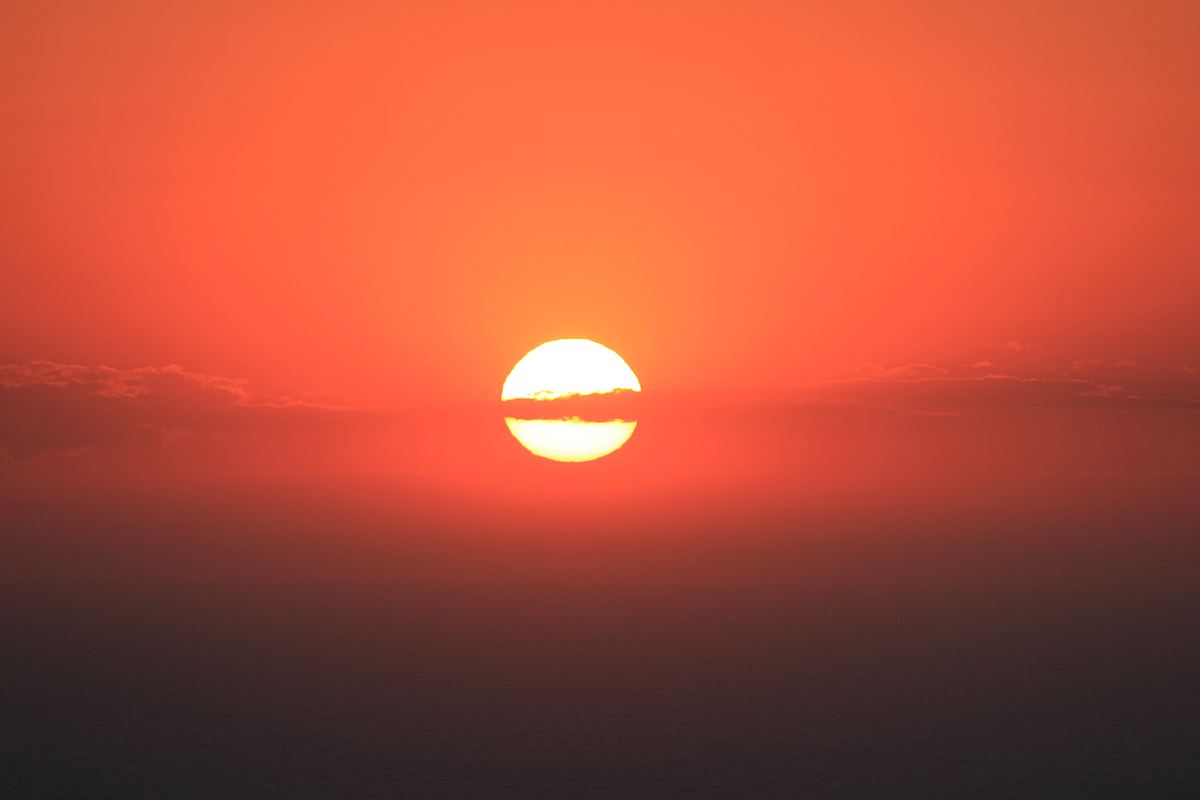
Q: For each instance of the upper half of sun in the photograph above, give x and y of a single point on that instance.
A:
(567, 367)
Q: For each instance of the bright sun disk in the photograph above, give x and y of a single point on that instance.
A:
(562, 368)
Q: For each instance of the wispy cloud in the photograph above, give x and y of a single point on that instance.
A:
(47, 406)
(928, 388)
(903, 371)
(1020, 346)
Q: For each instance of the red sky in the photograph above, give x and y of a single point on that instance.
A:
(911, 507)
(374, 203)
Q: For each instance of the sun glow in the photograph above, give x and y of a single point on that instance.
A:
(561, 369)
(565, 367)
(570, 439)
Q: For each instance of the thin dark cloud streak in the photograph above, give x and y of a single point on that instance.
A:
(48, 406)
(960, 394)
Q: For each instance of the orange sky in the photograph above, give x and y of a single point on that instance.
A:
(912, 290)
(363, 201)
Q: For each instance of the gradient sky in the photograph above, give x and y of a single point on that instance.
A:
(368, 203)
(911, 507)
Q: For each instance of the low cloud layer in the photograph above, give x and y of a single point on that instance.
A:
(53, 407)
(48, 406)
(924, 389)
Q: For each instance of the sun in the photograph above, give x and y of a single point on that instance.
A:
(566, 368)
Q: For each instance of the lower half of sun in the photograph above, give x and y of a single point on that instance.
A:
(569, 375)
